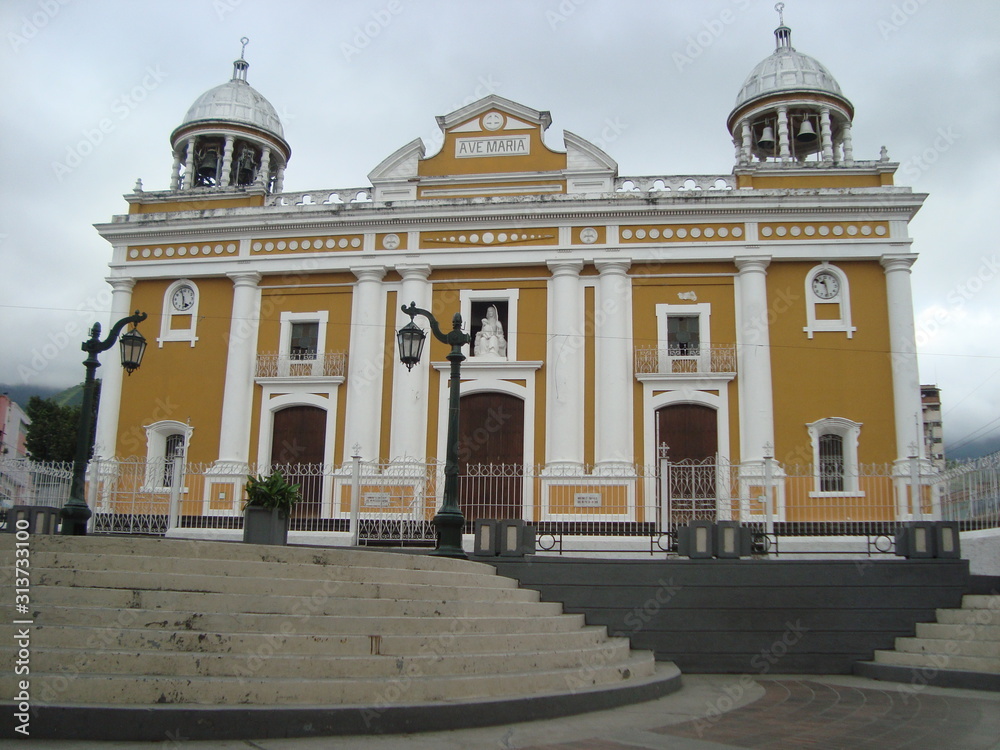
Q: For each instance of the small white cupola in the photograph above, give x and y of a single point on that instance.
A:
(230, 138)
(790, 109)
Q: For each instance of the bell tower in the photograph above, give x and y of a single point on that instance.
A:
(231, 139)
(791, 110)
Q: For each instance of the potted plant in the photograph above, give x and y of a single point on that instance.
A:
(268, 508)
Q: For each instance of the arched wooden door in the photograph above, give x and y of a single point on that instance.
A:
(491, 456)
(690, 432)
(298, 448)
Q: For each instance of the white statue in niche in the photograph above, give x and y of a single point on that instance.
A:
(490, 341)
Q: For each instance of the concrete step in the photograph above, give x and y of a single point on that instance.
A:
(305, 622)
(971, 616)
(357, 690)
(325, 601)
(185, 549)
(939, 661)
(949, 646)
(958, 631)
(484, 576)
(202, 583)
(981, 601)
(262, 644)
(279, 664)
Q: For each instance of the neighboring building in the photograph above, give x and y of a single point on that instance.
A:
(727, 315)
(14, 477)
(13, 428)
(930, 401)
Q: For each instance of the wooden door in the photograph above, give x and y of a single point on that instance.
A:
(491, 456)
(691, 433)
(298, 449)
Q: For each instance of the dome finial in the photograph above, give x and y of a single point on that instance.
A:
(240, 66)
(782, 34)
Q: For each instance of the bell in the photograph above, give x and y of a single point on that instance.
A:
(766, 140)
(806, 133)
(208, 164)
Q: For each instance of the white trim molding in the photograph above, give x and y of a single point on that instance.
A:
(850, 433)
(839, 296)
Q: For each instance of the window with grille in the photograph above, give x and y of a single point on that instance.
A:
(831, 463)
(304, 340)
(683, 335)
(173, 451)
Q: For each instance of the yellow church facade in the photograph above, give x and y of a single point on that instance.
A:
(614, 320)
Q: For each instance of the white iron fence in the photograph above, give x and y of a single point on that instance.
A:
(394, 504)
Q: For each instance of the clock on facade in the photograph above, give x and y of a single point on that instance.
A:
(183, 298)
(825, 285)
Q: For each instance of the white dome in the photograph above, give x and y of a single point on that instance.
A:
(787, 70)
(238, 102)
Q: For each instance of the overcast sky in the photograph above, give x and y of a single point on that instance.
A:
(93, 88)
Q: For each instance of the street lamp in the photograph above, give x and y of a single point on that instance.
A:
(449, 521)
(75, 512)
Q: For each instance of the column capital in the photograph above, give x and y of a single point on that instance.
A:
(567, 267)
(612, 266)
(369, 273)
(244, 278)
(413, 271)
(121, 284)
(752, 263)
(897, 261)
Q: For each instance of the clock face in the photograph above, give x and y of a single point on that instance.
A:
(183, 298)
(825, 285)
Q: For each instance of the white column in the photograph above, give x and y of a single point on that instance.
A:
(265, 168)
(363, 410)
(826, 135)
(175, 171)
(753, 345)
(279, 180)
(237, 399)
(408, 428)
(848, 142)
(903, 343)
(189, 164)
(613, 386)
(227, 162)
(106, 439)
(784, 151)
(747, 141)
(565, 364)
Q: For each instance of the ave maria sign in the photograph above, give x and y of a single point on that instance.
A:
(506, 145)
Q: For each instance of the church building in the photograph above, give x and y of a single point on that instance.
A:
(613, 319)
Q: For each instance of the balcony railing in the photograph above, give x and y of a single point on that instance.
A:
(717, 358)
(328, 365)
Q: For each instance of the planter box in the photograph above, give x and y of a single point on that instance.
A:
(264, 526)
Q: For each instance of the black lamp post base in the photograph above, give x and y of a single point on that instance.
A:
(449, 535)
(75, 515)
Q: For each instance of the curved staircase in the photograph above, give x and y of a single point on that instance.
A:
(135, 638)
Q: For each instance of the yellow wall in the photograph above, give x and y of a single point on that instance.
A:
(177, 381)
(830, 375)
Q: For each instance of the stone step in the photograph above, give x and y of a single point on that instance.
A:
(484, 576)
(441, 662)
(968, 617)
(326, 601)
(958, 631)
(187, 549)
(307, 623)
(242, 644)
(949, 646)
(981, 601)
(357, 690)
(939, 661)
(346, 589)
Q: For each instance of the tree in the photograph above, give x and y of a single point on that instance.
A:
(52, 432)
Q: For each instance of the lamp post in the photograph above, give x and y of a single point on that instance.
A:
(449, 520)
(75, 512)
